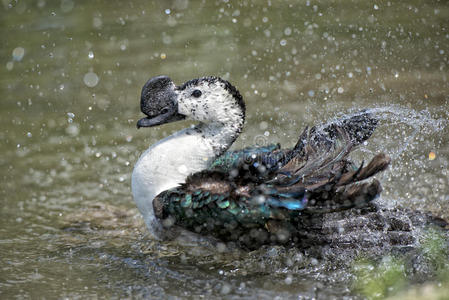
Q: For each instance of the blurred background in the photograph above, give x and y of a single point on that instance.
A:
(70, 79)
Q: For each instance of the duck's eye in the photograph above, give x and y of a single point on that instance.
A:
(164, 110)
(196, 93)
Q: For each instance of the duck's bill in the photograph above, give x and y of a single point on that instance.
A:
(168, 117)
(159, 102)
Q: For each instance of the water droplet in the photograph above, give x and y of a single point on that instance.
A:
(287, 31)
(221, 247)
(376, 7)
(70, 115)
(90, 55)
(41, 3)
(72, 130)
(91, 79)
(166, 39)
(283, 42)
(18, 53)
(182, 169)
(67, 5)
(97, 22)
(340, 90)
(225, 289)
(263, 125)
(311, 93)
(167, 11)
(29, 134)
(171, 21)
(259, 199)
(163, 56)
(9, 65)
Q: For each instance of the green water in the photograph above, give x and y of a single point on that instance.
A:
(71, 74)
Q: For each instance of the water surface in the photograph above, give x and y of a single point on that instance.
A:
(71, 74)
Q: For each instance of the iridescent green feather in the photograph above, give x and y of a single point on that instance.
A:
(219, 210)
(235, 159)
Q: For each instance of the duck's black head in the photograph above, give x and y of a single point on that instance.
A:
(206, 99)
(158, 102)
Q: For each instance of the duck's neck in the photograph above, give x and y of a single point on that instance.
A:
(167, 163)
(218, 135)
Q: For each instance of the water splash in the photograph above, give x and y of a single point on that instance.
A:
(417, 142)
(405, 127)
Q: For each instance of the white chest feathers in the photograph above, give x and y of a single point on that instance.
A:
(165, 165)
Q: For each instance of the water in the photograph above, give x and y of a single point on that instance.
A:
(71, 74)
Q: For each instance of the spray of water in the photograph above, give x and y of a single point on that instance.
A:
(417, 142)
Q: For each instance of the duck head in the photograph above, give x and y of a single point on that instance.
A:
(206, 99)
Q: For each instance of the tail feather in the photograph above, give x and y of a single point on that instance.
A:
(358, 129)
(320, 166)
(379, 163)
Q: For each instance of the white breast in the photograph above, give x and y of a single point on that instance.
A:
(165, 165)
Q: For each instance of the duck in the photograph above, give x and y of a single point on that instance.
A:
(258, 195)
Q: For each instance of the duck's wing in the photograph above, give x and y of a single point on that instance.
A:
(315, 146)
(252, 164)
(320, 165)
(210, 202)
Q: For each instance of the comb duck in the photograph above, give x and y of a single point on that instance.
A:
(253, 196)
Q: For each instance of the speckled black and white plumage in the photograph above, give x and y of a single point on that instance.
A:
(219, 108)
(213, 80)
